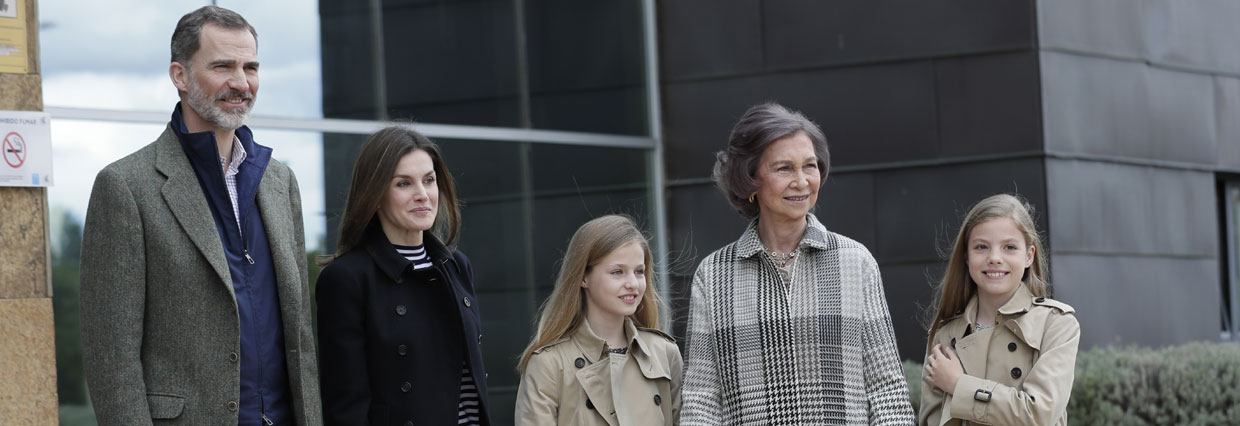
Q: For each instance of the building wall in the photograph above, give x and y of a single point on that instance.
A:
(1113, 118)
(1140, 102)
(926, 108)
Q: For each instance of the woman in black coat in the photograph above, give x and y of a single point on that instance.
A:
(399, 330)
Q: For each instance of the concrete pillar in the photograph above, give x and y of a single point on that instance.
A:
(27, 348)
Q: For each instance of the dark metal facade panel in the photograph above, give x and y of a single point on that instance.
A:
(709, 38)
(909, 288)
(1119, 108)
(583, 45)
(1117, 209)
(1227, 120)
(431, 49)
(1148, 301)
(989, 104)
(800, 34)
(871, 114)
(697, 118)
(1105, 27)
(1198, 34)
(699, 221)
(846, 206)
(919, 210)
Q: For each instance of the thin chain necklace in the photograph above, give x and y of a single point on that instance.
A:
(781, 259)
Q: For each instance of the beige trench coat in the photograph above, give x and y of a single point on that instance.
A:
(1017, 373)
(569, 382)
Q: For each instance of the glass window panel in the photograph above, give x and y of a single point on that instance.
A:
(586, 65)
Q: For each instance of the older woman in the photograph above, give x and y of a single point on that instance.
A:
(788, 325)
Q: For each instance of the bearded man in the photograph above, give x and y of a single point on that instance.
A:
(194, 295)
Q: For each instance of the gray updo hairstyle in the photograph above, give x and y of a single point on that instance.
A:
(736, 167)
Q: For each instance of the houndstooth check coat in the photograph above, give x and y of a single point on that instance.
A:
(816, 350)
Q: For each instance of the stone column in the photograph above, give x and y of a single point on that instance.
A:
(27, 348)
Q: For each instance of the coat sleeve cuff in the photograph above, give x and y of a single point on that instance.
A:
(971, 398)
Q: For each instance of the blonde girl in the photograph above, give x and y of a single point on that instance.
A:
(598, 357)
(1000, 352)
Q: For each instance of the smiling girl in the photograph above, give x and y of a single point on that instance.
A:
(598, 357)
(1000, 352)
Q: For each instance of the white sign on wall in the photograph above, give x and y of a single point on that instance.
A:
(26, 148)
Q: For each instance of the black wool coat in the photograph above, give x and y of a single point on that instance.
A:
(392, 340)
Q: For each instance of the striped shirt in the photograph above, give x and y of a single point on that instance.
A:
(230, 170)
(467, 405)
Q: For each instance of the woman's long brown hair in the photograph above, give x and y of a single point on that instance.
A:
(957, 287)
(372, 175)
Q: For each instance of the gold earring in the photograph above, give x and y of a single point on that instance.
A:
(751, 197)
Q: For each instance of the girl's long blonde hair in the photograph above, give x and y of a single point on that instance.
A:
(956, 288)
(565, 309)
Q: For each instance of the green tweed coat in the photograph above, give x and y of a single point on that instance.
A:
(160, 329)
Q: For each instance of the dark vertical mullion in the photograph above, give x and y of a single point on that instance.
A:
(379, 75)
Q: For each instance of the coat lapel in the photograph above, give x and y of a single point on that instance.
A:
(971, 349)
(272, 195)
(184, 197)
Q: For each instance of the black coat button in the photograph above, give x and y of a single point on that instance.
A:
(1012, 347)
(402, 350)
(1040, 299)
(658, 400)
(467, 304)
(589, 403)
(1016, 373)
(953, 343)
(400, 310)
(232, 357)
(408, 422)
(479, 339)
(405, 387)
(580, 362)
(232, 405)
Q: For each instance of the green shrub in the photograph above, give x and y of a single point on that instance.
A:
(1193, 384)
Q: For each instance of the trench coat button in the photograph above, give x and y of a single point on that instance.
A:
(400, 310)
(658, 400)
(1012, 347)
(953, 343)
(580, 362)
(402, 350)
(589, 403)
(1040, 299)
(467, 302)
(405, 387)
(232, 357)
(232, 405)
(1016, 373)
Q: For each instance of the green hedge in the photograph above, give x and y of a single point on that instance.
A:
(1193, 384)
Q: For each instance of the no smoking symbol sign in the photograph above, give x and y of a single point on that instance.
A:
(14, 150)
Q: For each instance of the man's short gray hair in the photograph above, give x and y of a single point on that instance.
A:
(736, 167)
(189, 30)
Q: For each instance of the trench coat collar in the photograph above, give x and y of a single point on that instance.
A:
(391, 262)
(750, 245)
(1013, 315)
(640, 349)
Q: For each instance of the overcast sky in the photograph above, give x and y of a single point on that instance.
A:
(115, 55)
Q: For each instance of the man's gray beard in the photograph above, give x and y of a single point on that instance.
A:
(206, 108)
